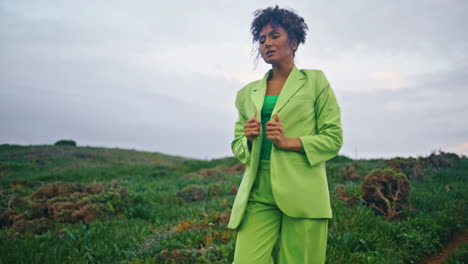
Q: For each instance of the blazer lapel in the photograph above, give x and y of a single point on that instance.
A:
(293, 83)
(258, 94)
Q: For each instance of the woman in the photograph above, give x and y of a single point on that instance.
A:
(288, 126)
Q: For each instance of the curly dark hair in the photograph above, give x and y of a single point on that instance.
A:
(275, 16)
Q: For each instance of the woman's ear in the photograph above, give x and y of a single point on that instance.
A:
(294, 46)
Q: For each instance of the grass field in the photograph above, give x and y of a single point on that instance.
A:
(65, 204)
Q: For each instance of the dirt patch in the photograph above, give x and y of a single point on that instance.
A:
(453, 244)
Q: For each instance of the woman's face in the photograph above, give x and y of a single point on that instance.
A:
(274, 45)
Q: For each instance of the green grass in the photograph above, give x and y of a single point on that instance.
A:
(145, 230)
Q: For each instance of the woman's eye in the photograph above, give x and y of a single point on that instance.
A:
(262, 41)
(276, 36)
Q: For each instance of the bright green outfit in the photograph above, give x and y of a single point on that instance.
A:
(302, 240)
(288, 196)
(308, 109)
(268, 105)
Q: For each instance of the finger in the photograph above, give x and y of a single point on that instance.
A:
(275, 130)
(252, 133)
(271, 129)
(248, 130)
(256, 132)
(272, 137)
(274, 121)
(277, 119)
(252, 120)
(270, 123)
(274, 133)
(273, 125)
(252, 125)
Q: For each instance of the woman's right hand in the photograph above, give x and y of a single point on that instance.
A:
(252, 128)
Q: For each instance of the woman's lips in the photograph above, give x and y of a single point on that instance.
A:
(268, 53)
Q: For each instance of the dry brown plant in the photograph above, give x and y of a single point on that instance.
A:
(387, 192)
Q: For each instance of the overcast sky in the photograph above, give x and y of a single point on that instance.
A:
(163, 75)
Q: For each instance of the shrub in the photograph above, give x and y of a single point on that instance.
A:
(63, 202)
(65, 142)
(423, 168)
(345, 197)
(340, 158)
(350, 172)
(411, 167)
(387, 192)
(192, 193)
(443, 160)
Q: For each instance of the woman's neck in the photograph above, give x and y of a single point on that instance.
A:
(281, 71)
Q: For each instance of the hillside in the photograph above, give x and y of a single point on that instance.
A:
(65, 204)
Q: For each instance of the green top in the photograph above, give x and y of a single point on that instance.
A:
(267, 110)
(268, 105)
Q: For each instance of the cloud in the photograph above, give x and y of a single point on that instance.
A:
(461, 148)
(148, 74)
(388, 80)
(412, 121)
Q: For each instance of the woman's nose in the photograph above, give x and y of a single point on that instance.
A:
(267, 43)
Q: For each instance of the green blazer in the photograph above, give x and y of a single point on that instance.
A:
(308, 109)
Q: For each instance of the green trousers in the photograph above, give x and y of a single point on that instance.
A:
(302, 240)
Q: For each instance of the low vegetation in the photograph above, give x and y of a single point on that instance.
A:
(69, 204)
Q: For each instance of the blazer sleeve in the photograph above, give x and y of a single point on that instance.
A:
(329, 139)
(240, 146)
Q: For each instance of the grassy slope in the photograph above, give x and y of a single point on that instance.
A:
(145, 232)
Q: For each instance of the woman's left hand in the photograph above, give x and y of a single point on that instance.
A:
(274, 131)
